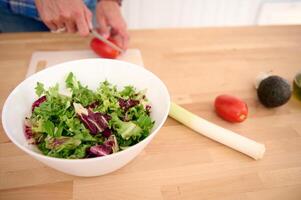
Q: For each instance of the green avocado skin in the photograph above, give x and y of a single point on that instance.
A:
(274, 91)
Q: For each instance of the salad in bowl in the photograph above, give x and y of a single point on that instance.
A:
(86, 117)
(87, 123)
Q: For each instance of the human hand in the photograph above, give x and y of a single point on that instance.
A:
(70, 14)
(111, 22)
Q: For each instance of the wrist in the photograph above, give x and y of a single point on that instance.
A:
(119, 2)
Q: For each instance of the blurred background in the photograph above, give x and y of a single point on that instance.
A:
(210, 13)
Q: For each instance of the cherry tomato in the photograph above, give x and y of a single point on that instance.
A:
(103, 50)
(231, 108)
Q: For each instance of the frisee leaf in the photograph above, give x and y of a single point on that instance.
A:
(39, 89)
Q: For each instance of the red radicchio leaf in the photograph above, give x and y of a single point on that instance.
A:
(99, 119)
(29, 135)
(127, 104)
(95, 122)
(148, 108)
(88, 124)
(59, 141)
(38, 102)
(101, 150)
(93, 105)
(107, 133)
(108, 147)
(28, 132)
(112, 142)
(107, 117)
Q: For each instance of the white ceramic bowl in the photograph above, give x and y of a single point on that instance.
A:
(89, 72)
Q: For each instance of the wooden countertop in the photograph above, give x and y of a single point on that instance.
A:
(197, 65)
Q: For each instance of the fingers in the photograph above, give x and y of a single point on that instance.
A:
(120, 34)
(84, 21)
(73, 15)
(104, 28)
(71, 26)
(45, 18)
(59, 24)
(50, 25)
(79, 21)
(126, 40)
(112, 23)
(119, 41)
(82, 26)
(124, 35)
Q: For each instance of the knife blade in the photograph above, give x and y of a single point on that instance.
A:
(98, 36)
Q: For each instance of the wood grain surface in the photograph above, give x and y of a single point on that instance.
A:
(196, 65)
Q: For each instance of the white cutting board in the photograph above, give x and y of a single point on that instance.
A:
(43, 59)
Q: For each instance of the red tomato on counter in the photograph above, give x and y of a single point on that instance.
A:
(231, 108)
(102, 49)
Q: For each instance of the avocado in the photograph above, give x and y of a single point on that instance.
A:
(274, 91)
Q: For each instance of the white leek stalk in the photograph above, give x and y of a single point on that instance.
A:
(217, 133)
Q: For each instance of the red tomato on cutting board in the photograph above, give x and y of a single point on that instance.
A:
(231, 108)
(104, 50)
